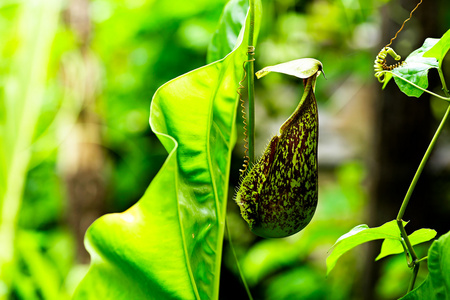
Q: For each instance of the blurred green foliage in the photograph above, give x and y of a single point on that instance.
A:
(143, 44)
(140, 44)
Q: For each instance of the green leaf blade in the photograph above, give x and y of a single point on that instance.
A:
(227, 33)
(359, 235)
(169, 244)
(390, 246)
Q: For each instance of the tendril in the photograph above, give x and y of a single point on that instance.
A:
(403, 25)
(380, 65)
(250, 51)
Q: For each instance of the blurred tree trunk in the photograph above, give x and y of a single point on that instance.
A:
(402, 134)
(82, 156)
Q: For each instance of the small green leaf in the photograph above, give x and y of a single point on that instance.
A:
(301, 68)
(416, 70)
(440, 49)
(359, 235)
(390, 246)
(437, 284)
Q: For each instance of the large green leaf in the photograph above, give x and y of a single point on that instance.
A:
(437, 284)
(416, 70)
(230, 25)
(169, 245)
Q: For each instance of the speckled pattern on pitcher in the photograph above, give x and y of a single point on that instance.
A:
(278, 196)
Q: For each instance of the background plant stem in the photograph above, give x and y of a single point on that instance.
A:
(22, 107)
(251, 87)
(244, 282)
(421, 166)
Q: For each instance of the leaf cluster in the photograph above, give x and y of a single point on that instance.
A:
(412, 76)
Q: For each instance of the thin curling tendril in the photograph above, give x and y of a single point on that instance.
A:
(403, 25)
(250, 51)
(380, 66)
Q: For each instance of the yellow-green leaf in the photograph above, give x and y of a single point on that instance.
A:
(359, 235)
(301, 68)
(440, 49)
(391, 246)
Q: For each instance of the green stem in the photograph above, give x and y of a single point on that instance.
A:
(413, 278)
(415, 261)
(405, 249)
(444, 85)
(408, 196)
(407, 242)
(237, 262)
(251, 86)
(421, 166)
(422, 259)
